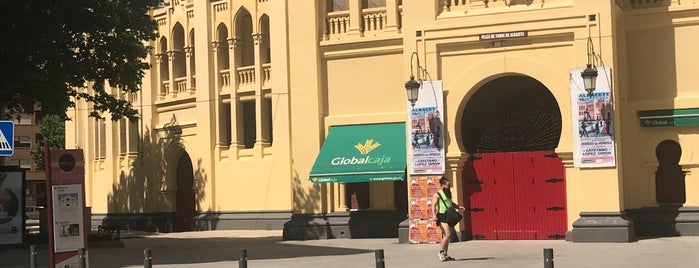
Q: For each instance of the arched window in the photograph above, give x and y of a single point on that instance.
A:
(178, 62)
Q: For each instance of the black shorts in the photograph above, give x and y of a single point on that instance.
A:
(440, 218)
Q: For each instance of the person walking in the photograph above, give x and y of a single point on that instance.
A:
(442, 201)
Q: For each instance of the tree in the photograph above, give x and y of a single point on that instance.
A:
(52, 49)
(52, 130)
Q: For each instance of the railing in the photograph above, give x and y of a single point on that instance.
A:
(221, 7)
(338, 22)
(633, 4)
(374, 19)
(461, 5)
(266, 73)
(225, 78)
(180, 85)
(246, 75)
(165, 89)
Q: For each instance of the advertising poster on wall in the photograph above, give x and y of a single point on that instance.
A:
(427, 130)
(68, 217)
(593, 124)
(11, 206)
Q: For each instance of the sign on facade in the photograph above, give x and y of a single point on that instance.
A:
(7, 138)
(426, 130)
(593, 121)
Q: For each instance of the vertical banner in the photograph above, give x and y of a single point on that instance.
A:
(592, 117)
(427, 130)
(66, 189)
(11, 206)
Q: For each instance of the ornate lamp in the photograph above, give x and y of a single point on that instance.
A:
(589, 75)
(412, 87)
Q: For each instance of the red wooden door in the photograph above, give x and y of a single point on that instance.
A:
(184, 210)
(515, 196)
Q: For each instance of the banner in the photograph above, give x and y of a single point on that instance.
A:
(11, 206)
(426, 130)
(593, 124)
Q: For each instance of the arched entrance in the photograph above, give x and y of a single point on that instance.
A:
(184, 199)
(514, 183)
(669, 177)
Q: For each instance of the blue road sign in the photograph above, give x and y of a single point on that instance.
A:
(7, 138)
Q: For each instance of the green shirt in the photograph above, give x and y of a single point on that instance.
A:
(443, 202)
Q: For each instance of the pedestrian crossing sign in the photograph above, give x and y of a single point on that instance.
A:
(7, 138)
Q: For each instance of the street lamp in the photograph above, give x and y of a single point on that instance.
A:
(589, 75)
(412, 87)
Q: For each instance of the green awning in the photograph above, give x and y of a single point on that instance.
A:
(362, 153)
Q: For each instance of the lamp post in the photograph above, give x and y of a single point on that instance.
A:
(589, 75)
(412, 87)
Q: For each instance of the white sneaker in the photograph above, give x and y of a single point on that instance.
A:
(442, 256)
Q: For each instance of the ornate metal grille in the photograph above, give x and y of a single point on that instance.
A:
(522, 130)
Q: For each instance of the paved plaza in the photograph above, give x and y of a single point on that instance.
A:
(266, 249)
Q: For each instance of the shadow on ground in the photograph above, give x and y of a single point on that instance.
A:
(184, 251)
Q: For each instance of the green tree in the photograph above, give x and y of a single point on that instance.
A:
(51, 50)
(52, 130)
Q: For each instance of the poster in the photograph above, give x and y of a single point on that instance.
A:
(426, 131)
(593, 121)
(11, 206)
(67, 217)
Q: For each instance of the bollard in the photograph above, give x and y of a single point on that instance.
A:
(548, 258)
(243, 262)
(378, 255)
(81, 258)
(32, 256)
(147, 259)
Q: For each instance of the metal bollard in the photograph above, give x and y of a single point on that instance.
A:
(243, 262)
(548, 258)
(147, 259)
(378, 255)
(32, 256)
(81, 258)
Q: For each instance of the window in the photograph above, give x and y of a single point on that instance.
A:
(100, 139)
(23, 119)
(249, 124)
(373, 3)
(21, 163)
(270, 119)
(22, 141)
(225, 124)
(123, 142)
(134, 136)
(338, 5)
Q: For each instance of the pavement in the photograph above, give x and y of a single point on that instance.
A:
(266, 249)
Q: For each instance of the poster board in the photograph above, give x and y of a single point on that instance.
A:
(12, 205)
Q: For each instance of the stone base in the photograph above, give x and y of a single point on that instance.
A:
(354, 224)
(246, 220)
(666, 220)
(163, 222)
(602, 227)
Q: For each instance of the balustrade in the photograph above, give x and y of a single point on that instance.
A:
(225, 78)
(246, 75)
(338, 22)
(181, 85)
(266, 72)
(165, 89)
(633, 4)
(374, 19)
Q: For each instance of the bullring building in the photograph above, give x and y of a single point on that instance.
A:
(556, 119)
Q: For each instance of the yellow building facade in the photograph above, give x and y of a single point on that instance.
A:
(242, 95)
